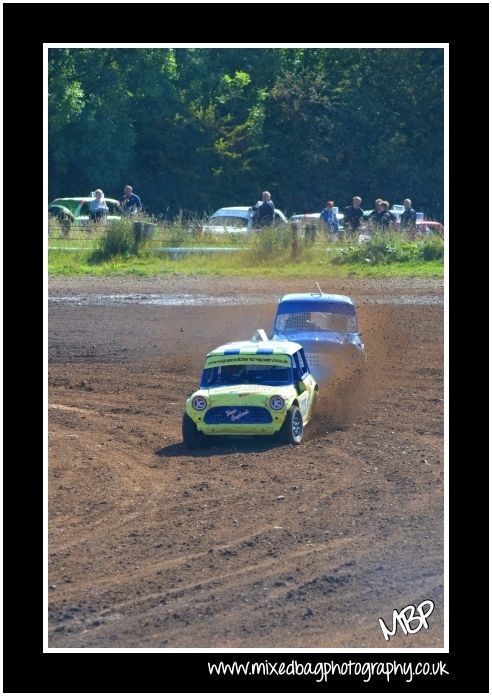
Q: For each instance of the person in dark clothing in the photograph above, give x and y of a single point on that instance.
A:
(393, 217)
(130, 203)
(353, 214)
(264, 211)
(408, 219)
(376, 211)
(383, 219)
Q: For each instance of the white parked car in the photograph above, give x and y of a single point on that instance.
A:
(237, 219)
(397, 211)
(313, 220)
(308, 218)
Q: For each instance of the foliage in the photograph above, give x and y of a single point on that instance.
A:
(118, 239)
(271, 242)
(432, 249)
(241, 263)
(385, 248)
(200, 128)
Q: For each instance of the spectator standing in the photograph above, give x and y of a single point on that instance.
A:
(408, 219)
(393, 217)
(130, 203)
(384, 219)
(353, 213)
(264, 211)
(98, 208)
(376, 211)
(329, 217)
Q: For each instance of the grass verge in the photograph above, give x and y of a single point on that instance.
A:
(241, 263)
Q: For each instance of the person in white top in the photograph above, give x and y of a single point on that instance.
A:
(98, 207)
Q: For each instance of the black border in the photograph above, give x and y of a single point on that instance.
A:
(466, 30)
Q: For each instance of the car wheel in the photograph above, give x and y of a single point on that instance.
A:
(292, 430)
(66, 224)
(192, 437)
(64, 217)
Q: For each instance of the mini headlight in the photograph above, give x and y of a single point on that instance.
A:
(277, 403)
(199, 403)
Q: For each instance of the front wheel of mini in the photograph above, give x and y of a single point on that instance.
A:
(292, 430)
(192, 437)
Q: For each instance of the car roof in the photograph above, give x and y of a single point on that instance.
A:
(316, 297)
(301, 215)
(237, 210)
(81, 199)
(256, 348)
(233, 209)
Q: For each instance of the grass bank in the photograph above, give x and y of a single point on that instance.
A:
(274, 253)
(240, 264)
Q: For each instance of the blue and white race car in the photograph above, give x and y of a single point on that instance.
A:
(326, 326)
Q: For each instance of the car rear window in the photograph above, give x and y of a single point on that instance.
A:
(316, 321)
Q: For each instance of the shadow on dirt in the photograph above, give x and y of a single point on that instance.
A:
(223, 445)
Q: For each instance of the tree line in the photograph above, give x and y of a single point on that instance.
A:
(195, 129)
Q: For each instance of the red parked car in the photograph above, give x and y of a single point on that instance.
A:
(427, 227)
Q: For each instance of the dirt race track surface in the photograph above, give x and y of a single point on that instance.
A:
(247, 543)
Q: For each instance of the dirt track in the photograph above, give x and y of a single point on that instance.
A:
(153, 546)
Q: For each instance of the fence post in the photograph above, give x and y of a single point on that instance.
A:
(137, 233)
(310, 233)
(148, 230)
(295, 240)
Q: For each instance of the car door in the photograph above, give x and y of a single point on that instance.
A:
(305, 384)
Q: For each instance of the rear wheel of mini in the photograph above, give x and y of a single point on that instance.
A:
(292, 430)
(192, 437)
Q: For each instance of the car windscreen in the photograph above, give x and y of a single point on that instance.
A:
(72, 205)
(316, 321)
(112, 209)
(228, 221)
(232, 375)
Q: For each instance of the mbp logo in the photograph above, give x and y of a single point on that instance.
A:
(406, 616)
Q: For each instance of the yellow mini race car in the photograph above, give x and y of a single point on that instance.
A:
(256, 387)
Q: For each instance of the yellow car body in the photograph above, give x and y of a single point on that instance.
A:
(251, 388)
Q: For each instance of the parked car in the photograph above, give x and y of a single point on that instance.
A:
(75, 211)
(428, 227)
(309, 224)
(237, 219)
(307, 217)
(326, 326)
(424, 228)
(256, 387)
(397, 211)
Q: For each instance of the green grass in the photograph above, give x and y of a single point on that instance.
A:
(387, 248)
(111, 250)
(243, 263)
